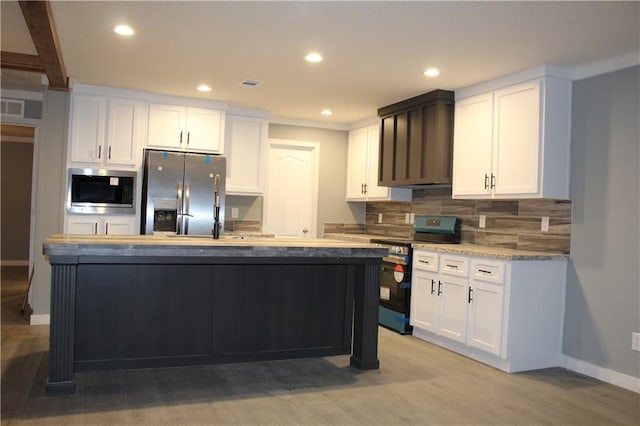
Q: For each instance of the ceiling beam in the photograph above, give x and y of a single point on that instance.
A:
(39, 19)
(21, 62)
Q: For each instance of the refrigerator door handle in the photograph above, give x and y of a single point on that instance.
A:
(186, 209)
(179, 218)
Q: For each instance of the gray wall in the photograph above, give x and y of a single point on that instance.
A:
(17, 166)
(603, 295)
(332, 206)
(51, 154)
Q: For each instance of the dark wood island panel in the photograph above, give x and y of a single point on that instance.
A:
(138, 311)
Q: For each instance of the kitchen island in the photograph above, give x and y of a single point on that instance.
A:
(157, 301)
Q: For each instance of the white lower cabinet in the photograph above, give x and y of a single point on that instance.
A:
(486, 301)
(437, 297)
(508, 314)
(100, 225)
(453, 308)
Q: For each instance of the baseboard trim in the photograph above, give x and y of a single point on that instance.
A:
(15, 262)
(40, 319)
(604, 374)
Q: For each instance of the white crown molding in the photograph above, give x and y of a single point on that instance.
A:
(604, 374)
(248, 112)
(364, 123)
(609, 65)
(308, 123)
(515, 78)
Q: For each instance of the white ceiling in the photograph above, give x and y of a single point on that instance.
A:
(375, 52)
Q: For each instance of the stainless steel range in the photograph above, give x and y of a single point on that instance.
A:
(395, 272)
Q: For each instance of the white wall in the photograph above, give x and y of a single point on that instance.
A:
(603, 290)
(50, 156)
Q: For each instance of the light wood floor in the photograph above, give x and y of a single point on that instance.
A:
(417, 384)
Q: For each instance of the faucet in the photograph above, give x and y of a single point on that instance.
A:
(216, 207)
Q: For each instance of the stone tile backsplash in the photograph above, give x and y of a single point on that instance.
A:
(511, 224)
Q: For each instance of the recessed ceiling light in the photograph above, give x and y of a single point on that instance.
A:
(432, 72)
(326, 112)
(204, 88)
(123, 30)
(313, 57)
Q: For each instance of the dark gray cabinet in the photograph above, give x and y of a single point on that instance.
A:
(416, 140)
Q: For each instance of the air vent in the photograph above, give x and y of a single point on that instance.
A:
(250, 83)
(12, 108)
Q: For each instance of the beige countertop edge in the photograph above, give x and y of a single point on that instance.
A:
(464, 249)
(197, 241)
(490, 252)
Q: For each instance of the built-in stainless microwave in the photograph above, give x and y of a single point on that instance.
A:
(101, 191)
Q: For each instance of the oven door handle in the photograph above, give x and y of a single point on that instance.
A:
(396, 260)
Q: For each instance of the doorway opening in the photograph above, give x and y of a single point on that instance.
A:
(17, 155)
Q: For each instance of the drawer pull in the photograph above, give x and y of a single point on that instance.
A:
(426, 262)
(452, 266)
(484, 271)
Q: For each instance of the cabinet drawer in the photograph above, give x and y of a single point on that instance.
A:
(425, 261)
(454, 265)
(487, 270)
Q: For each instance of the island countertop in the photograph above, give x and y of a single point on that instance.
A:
(188, 246)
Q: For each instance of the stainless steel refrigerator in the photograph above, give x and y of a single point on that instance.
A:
(179, 193)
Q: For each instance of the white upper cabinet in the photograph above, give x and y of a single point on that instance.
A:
(473, 145)
(362, 168)
(106, 131)
(181, 127)
(513, 142)
(245, 151)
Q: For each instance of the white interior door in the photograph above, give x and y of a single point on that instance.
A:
(292, 189)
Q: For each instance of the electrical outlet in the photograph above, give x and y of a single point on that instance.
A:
(379, 217)
(544, 224)
(407, 218)
(234, 213)
(412, 218)
(635, 341)
(482, 222)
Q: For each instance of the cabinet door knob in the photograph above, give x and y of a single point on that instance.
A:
(180, 137)
(432, 284)
(99, 152)
(470, 292)
(109, 152)
(493, 181)
(365, 188)
(486, 181)
(188, 137)
(439, 288)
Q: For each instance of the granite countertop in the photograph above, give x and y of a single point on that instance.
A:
(462, 249)
(226, 246)
(491, 252)
(363, 238)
